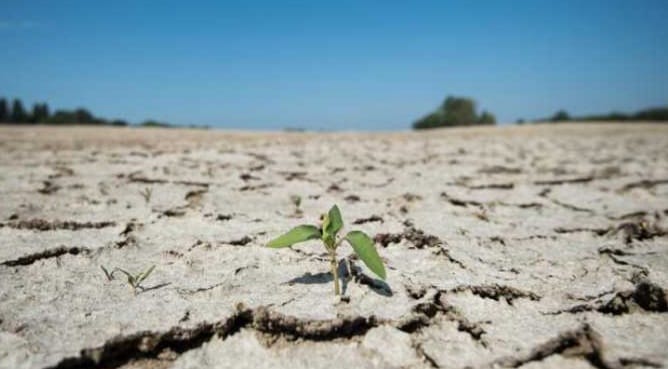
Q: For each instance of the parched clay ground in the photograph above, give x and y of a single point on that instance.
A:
(531, 247)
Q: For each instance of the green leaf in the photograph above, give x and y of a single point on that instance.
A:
(145, 275)
(131, 278)
(364, 248)
(298, 234)
(325, 225)
(106, 272)
(334, 222)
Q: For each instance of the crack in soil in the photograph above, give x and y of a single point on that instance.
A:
(142, 345)
(646, 296)
(136, 177)
(646, 184)
(48, 187)
(373, 218)
(273, 325)
(194, 197)
(496, 292)
(640, 231)
(596, 231)
(426, 313)
(419, 239)
(495, 186)
(186, 291)
(499, 169)
(145, 345)
(582, 342)
(428, 359)
(465, 203)
(255, 188)
(238, 242)
(128, 238)
(572, 207)
(637, 361)
(50, 253)
(460, 202)
(46, 225)
(553, 182)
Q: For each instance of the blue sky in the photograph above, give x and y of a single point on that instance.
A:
(332, 64)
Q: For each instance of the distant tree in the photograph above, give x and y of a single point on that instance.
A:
(486, 118)
(560, 116)
(4, 110)
(615, 117)
(45, 113)
(431, 120)
(454, 111)
(118, 122)
(652, 114)
(459, 111)
(62, 117)
(83, 116)
(40, 113)
(19, 114)
(520, 121)
(78, 116)
(154, 123)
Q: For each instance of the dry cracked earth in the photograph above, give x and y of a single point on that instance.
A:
(518, 247)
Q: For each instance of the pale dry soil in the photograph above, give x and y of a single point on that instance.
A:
(530, 247)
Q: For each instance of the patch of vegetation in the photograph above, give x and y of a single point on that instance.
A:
(133, 280)
(328, 233)
(41, 114)
(657, 114)
(455, 111)
(16, 113)
(154, 123)
(297, 201)
(146, 194)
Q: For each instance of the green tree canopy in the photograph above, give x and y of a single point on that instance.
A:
(4, 110)
(487, 118)
(455, 111)
(652, 114)
(40, 113)
(459, 111)
(19, 114)
(560, 116)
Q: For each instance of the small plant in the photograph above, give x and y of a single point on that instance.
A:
(482, 215)
(146, 194)
(133, 280)
(328, 233)
(297, 201)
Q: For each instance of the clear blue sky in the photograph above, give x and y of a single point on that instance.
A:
(335, 64)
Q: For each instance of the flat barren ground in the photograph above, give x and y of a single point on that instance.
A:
(531, 247)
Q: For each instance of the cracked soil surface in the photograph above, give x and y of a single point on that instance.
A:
(517, 247)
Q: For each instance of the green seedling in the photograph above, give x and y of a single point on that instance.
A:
(297, 201)
(328, 234)
(146, 194)
(133, 280)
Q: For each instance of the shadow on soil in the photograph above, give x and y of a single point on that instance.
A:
(355, 274)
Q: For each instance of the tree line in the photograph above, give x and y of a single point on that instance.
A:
(461, 111)
(455, 111)
(657, 114)
(16, 113)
